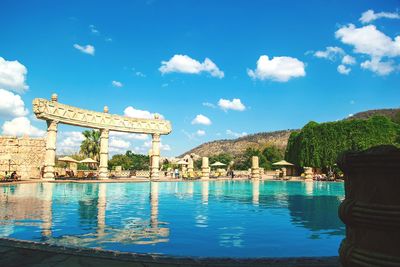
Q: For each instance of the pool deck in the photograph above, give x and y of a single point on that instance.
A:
(14, 253)
(141, 179)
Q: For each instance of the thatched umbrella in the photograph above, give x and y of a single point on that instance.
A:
(282, 163)
(218, 164)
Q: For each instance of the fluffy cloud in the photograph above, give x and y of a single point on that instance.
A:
(93, 29)
(234, 134)
(369, 16)
(369, 40)
(348, 60)
(116, 84)
(129, 136)
(208, 104)
(13, 76)
(379, 67)
(186, 64)
(163, 147)
(86, 49)
(69, 142)
(342, 69)
(200, 133)
(21, 126)
(138, 113)
(331, 53)
(201, 119)
(235, 104)
(280, 69)
(11, 105)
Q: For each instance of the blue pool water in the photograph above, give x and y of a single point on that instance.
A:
(214, 219)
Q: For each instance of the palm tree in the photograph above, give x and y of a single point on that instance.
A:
(90, 147)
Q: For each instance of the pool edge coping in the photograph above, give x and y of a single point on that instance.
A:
(159, 259)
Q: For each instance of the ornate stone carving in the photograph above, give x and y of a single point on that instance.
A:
(52, 110)
(371, 209)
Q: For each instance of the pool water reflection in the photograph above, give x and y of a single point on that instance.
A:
(214, 219)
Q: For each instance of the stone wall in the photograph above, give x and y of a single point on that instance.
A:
(27, 155)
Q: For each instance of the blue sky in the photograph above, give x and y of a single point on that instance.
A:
(188, 58)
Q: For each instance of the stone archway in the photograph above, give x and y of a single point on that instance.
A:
(54, 113)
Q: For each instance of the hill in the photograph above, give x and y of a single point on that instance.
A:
(238, 146)
(390, 112)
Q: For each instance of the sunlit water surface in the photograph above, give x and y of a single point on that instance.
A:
(216, 218)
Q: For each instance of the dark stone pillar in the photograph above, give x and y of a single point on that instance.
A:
(371, 209)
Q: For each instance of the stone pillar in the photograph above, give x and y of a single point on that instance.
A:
(371, 209)
(308, 174)
(205, 170)
(155, 157)
(255, 169)
(50, 156)
(103, 166)
(190, 165)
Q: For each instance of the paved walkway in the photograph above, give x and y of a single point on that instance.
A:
(14, 253)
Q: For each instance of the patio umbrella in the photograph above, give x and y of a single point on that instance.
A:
(282, 163)
(88, 160)
(68, 159)
(215, 164)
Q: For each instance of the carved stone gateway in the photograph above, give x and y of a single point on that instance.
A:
(54, 113)
(371, 209)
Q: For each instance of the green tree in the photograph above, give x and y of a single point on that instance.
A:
(90, 146)
(272, 154)
(319, 145)
(130, 161)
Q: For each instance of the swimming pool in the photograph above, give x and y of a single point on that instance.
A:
(207, 219)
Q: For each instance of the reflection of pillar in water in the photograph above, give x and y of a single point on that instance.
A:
(204, 192)
(190, 188)
(309, 188)
(256, 191)
(47, 215)
(154, 204)
(101, 209)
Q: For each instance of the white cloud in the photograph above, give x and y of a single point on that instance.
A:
(234, 134)
(379, 67)
(348, 60)
(185, 64)
(330, 53)
(69, 142)
(129, 136)
(342, 69)
(87, 49)
(21, 126)
(93, 29)
(201, 119)
(13, 76)
(280, 69)
(369, 16)
(207, 104)
(116, 84)
(119, 143)
(138, 113)
(368, 40)
(163, 147)
(140, 74)
(201, 132)
(235, 104)
(11, 105)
